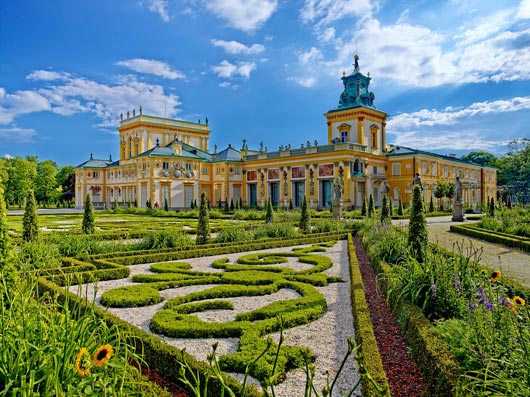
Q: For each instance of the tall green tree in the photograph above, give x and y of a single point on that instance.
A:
(269, 211)
(390, 207)
(514, 167)
(417, 236)
(363, 209)
(30, 223)
(5, 244)
(491, 208)
(400, 207)
(385, 215)
(4, 175)
(371, 208)
(46, 182)
(305, 217)
(88, 226)
(203, 224)
(480, 157)
(431, 205)
(225, 208)
(21, 179)
(440, 192)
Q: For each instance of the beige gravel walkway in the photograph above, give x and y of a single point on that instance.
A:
(512, 262)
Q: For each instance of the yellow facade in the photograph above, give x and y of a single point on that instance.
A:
(169, 161)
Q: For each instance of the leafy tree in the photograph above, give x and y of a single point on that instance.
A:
(21, 178)
(514, 166)
(363, 209)
(400, 208)
(46, 181)
(268, 208)
(203, 224)
(4, 175)
(417, 236)
(5, 245)
(480, 157)
(66, 180)
(30, 226)
(440, 192)
(385, 216)
(450, 191)
(371, 208)
(208, 202)
(509, 201)
(192, 205)
(88, 225)
(305, 217)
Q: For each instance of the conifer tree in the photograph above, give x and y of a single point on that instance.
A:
(208, 203)
(87, 227)
(240, 203)
(509, 202)
(417, 237)
(115, 209)
(268, 214)
(166, 205)
(135, 203)
(291, 207)
(400, 208)
(305, 218)
(492, 208)
(203, 224)
(363, 209)
(431, 206)
(225, 208)
(232, 204)
(385, 216)
(371, 209)
(390, 208)
(30, 227)
(195, 204)
(5, 244)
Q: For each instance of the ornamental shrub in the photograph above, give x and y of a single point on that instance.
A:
(431, 206)
(390, 207)
(5, 246)
(491, 211)
(417, 237)
(30, 227)
(232, 207)
(166, 205)
(203, 224)
(400, 207)
(385, 216)
(371, 208)
(305, 219)
(268, 215)
(225, 208)
(363, 209)
(87, 226)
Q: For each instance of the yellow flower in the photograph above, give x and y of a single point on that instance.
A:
(102, 355)
(511, 305)
(496, 275)
(80, 361)
(518, 300)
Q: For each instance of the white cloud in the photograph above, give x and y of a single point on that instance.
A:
(45, 75)
(524, 10)
(483, 27)
(327, 36)
(228, 70)
(16, 135)
(234, 47)
(227, 84)
(151, 66)
(245, 15)
(159, 7)
(322, 12)
(304, 81)
(314, 54)
(21, 102)
(8, 156)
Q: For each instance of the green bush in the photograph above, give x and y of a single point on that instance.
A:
(132, 296)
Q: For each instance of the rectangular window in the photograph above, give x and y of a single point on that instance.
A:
(165, 165)
(144, 166)
(396, 169)
(344, 136)
(96, 174)
(236, 170)
(188, 167)
(446, 171)
(424, 168)
(205, 170)
(218, 171)
(375, 169)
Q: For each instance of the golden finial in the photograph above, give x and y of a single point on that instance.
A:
(368, 74)
(344, 73)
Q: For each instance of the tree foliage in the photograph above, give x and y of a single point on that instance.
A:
(480, 157)
(269, 211)
(5, 245)
(30, 225)
(203, 224)
(305, 217)
(363, 209)
(417, 236)
(385, 215)
(46, 182)
(371, 208)
(88, 225)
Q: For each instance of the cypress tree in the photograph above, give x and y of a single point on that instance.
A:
(135, 203)
(492, 208)
(232, 204)
(417, 237)
(5, 245)
(203, 224)
(363, 209)
(371, 209)
(115, 209)
(208, 203)
(225, 209)
(509, 201)
(30, 227)
(166, 205)
(240, 203)
(192, 205)
(87, 226)
(268, 214)
(291, 207)
(390, 208)
(195, 204)
(385, 216)
(400, 208)
(431, 206)
(305, 218)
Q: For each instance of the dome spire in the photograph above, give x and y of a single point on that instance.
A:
(356, 64)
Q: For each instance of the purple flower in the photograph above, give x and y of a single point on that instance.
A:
(472, 307)
(488, 305)
(503, 301)
(433, 288)
(481, 295)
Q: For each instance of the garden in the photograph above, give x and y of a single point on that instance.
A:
(253, 302)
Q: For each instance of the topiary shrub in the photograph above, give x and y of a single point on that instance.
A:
(30, 227)
(203, 225)
(417, 235)
(88, 226)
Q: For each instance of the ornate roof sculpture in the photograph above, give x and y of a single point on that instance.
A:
(356, 92)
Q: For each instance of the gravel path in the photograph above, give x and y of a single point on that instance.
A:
(327, 336)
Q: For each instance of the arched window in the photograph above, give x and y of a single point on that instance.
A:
(374, 132)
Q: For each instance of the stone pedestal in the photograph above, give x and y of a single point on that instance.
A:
(336, 211)
(458, 213)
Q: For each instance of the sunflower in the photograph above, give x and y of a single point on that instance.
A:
(496, 275)
(518, 300)
(511, 305)
(81, 361)
(102, 355)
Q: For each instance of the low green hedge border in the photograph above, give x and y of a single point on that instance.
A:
(432, 355)
(364, 331)
(509, 240)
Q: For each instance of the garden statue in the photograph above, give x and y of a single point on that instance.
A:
(337, 195)
(458, 213)
(417, 180)
(458, 191)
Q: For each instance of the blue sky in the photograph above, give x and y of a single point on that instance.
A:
(454, 76)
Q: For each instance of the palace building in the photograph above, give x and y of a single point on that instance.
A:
(169, 161)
